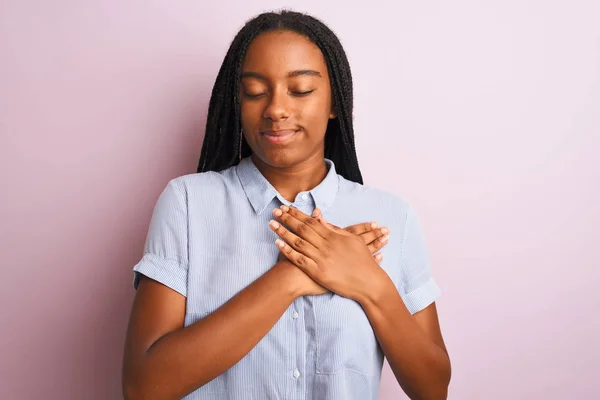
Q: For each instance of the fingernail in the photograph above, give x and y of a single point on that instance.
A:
(274, 224)
(385, 239)
(279, 243)
(277, 212)
(285, 208)
(374, 225)
(385, 231)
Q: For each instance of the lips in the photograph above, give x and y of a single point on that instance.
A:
(279, 136)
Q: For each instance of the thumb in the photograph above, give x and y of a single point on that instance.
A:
(318, 214)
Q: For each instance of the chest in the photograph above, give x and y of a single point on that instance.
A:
(228, 252)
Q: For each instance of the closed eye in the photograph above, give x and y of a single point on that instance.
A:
(253, 96)
(297, 94)
(303, 93)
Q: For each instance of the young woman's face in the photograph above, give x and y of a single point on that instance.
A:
(285, 98)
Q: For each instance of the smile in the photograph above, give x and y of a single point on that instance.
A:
(279, 137)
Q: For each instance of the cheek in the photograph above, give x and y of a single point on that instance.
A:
(316, 115)
(251, 115)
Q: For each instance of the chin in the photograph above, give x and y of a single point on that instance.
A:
(279, 158)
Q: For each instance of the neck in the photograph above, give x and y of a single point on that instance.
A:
(291, 180)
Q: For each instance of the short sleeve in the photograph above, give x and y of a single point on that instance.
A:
(165, 256)
(418, 288)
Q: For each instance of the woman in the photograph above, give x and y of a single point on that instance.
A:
(248, 287)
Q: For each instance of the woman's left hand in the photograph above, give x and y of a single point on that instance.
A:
(337, 260)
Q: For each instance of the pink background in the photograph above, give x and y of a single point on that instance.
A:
(485, 117)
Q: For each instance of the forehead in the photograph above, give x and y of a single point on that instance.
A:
(278, 52)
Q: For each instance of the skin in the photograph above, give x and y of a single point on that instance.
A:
(278, 70)
(165, 360)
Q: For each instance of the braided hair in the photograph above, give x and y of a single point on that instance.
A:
(224, 144)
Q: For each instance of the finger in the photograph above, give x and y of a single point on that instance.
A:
(370, 236)
(318, 214)
(331, 226)
(378, 244)
(297, 243)
(361, 228)
(378, 257)
(303, 262)
(302, 228)
(303, 224)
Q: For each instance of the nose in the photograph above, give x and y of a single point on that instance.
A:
(278, 108)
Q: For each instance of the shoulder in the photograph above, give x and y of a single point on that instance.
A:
(209, 182)
(364, 195)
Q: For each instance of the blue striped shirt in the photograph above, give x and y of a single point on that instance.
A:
(209, 238)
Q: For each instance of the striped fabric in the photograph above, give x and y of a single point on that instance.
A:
(209, 238)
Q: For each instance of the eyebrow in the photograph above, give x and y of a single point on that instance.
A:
(291, 74)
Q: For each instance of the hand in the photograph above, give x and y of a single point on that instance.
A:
(303, 284)
(336, 259)
(373, 237)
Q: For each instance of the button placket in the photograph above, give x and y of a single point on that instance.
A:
(296, 323)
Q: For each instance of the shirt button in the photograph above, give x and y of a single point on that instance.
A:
(305, 197)
(295, 315)
(296, 374)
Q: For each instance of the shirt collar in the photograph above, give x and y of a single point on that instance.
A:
(260, 192)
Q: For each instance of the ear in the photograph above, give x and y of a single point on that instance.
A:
(333, 113)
